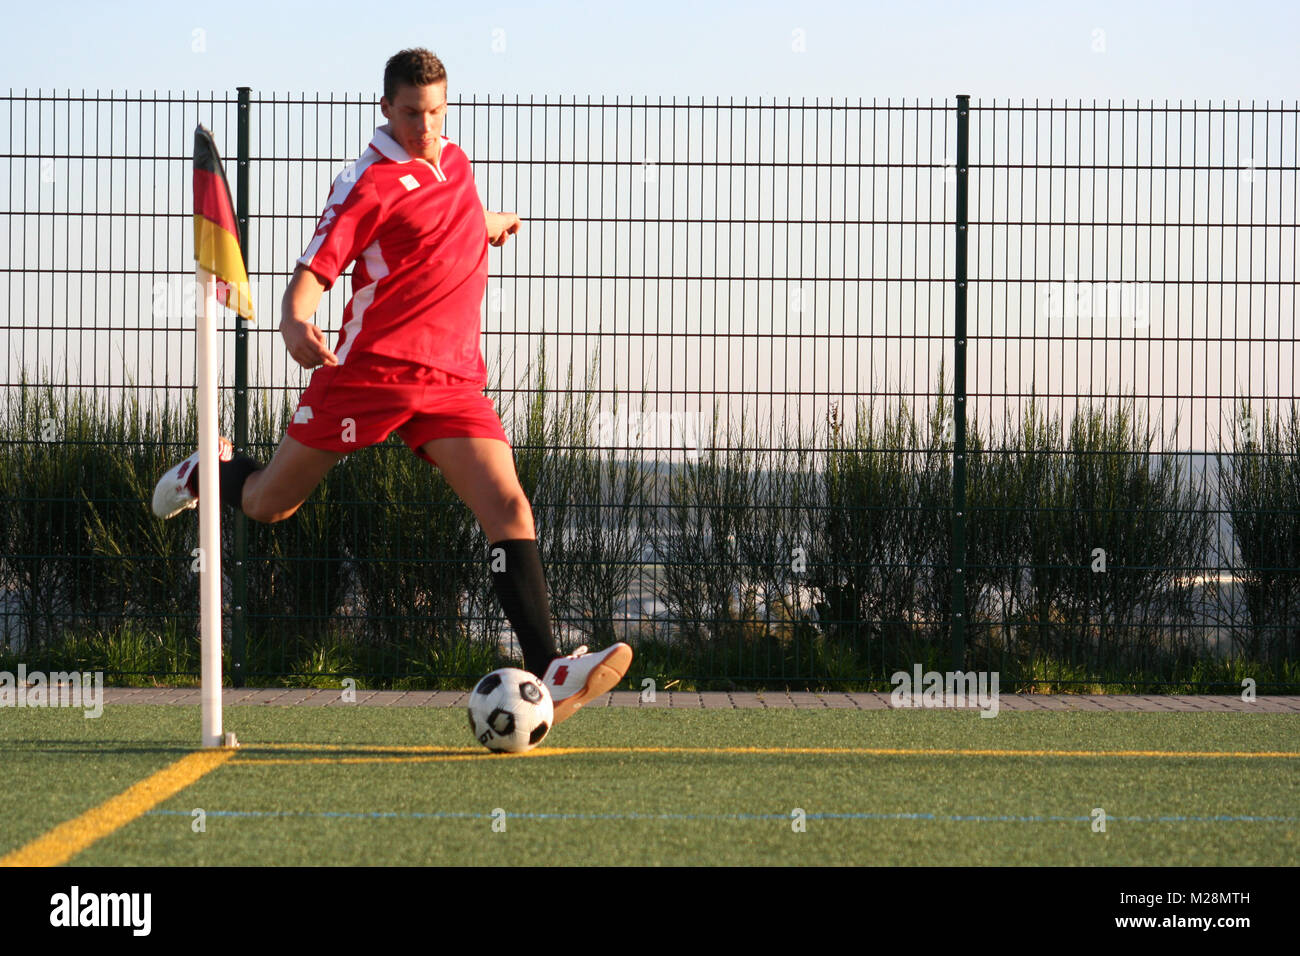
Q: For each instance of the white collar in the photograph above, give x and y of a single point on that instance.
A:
(392, 149)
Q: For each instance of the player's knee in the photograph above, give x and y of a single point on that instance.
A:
(514, 512)
(517, 507)
(253, 511)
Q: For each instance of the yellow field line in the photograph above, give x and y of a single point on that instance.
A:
(415, 754)
(410, 758)
(945, 752)
(382, 748)
(68, 839)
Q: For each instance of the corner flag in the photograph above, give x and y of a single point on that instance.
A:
(216, 236)
(220, 271)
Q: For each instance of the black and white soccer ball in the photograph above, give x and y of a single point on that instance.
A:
(510, 710)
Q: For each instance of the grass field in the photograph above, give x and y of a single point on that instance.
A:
(392, 786)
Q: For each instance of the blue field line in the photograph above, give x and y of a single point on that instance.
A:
(785, 817)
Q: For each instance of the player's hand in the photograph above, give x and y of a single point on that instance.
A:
(501, 226)
(306, 344)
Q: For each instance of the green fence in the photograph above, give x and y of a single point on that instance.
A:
(802, 394)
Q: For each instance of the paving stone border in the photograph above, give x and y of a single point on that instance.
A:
(715, 700)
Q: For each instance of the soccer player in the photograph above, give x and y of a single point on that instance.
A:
(407, 359)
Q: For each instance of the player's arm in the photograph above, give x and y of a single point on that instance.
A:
(501, 226)
(306, 343)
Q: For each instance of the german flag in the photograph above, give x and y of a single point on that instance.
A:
(216, 236)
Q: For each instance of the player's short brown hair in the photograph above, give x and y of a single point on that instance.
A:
(415, 67)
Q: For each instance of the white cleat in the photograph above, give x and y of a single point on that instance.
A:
(581, 677)
(172, 494)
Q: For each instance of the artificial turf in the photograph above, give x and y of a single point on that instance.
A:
(393, 786)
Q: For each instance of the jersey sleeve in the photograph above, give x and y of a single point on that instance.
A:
(346, 227)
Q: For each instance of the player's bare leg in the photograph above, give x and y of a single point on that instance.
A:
(482, 472)
(278, 490)
(265, 494)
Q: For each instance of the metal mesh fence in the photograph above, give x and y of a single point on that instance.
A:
(800, 392)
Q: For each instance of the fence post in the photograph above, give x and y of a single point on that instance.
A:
(238, 580)
(959, 395)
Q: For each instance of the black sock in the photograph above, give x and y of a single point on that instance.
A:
(231, 476)
(520, 584)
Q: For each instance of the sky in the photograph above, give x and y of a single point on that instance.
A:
(1117, 50)
(1103, 52)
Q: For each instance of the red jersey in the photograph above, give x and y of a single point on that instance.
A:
(417, 233)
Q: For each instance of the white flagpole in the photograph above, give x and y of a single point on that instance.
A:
(209, 513)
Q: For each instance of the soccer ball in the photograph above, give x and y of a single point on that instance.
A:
(510, 710)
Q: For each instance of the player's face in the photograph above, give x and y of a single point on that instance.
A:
(415, 117)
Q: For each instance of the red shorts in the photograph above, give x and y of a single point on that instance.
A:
(359, 403)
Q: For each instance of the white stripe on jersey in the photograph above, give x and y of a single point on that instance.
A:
(343, 184)
(361, 299)
(438, 174)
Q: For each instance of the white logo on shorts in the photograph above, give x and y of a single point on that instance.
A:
(303, 415)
